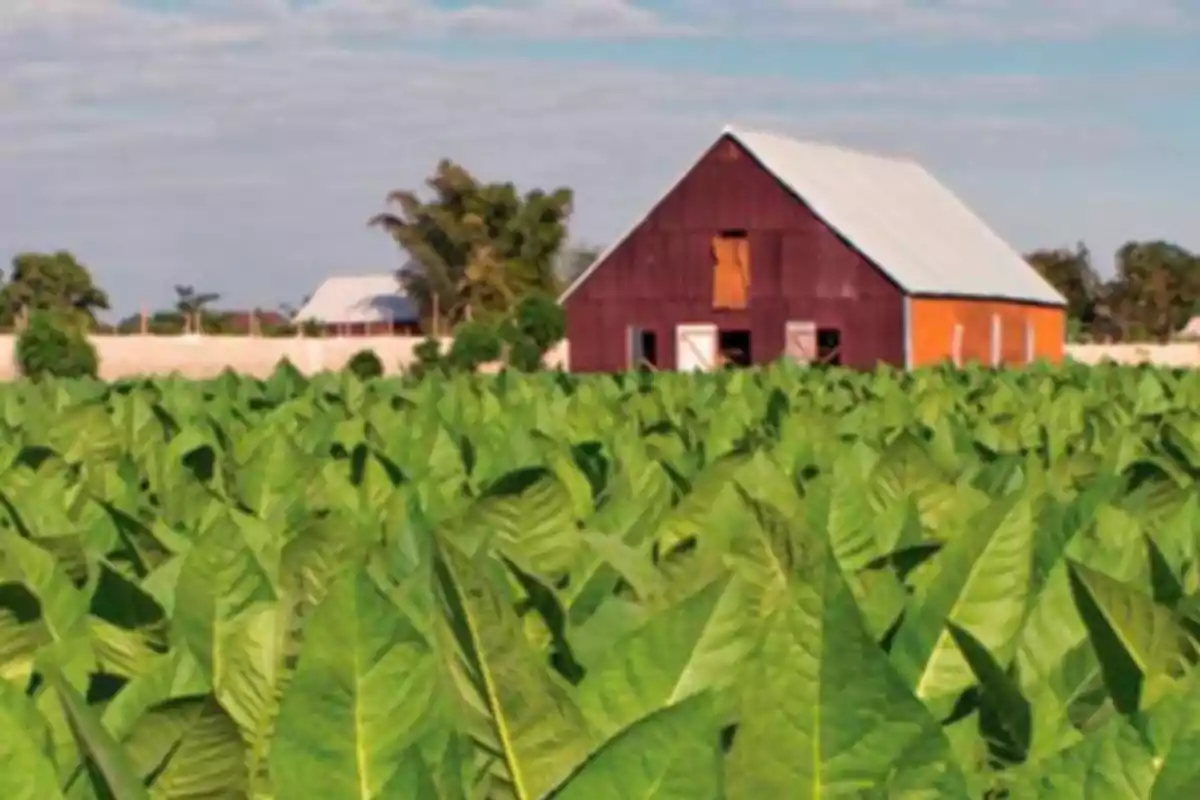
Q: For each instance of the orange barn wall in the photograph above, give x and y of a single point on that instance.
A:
(932, 322)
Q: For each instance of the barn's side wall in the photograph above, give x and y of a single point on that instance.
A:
(933, 321)
(662, 275)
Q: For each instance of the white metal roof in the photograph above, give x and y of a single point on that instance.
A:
(897, 215)
(358, 299)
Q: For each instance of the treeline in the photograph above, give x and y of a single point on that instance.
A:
(61, 284)
(475, 249)
(1154, 294)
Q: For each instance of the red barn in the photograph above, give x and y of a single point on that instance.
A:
(769, 247)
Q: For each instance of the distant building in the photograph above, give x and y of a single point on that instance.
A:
(365, 305)
(247, 322)
(768, 247)
(1191, 331)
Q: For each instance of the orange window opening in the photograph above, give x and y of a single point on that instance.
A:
(731, 270)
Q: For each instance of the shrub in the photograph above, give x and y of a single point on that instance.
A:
(55, 346)
(536, 325)
(475, 344)
(428, 358)
(540, 318)
(524, 355)
(365, 364)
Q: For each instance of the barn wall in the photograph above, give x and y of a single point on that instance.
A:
(933, 321)
(662, 275)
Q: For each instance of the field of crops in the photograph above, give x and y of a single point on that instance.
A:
(747, 585)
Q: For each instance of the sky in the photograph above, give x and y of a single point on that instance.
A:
(240, 146)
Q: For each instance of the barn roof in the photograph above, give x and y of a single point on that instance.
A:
(358, 299)
(896, 214)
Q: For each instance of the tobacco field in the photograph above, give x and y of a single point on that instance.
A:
(745, 585)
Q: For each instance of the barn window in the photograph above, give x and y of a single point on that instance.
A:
(731, 270)
(829, 347)
(735, 348)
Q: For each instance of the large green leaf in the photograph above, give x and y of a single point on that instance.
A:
(112, 768)
(673, 753)
(982, 585)
(521, 717)
(366, 688)
(825, 715)
(1141, 646)
(26, 769)
(692, 647)
(189, 750)
(1114, 761)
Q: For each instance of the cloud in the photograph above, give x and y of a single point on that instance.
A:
(241, 146)
(316, 103)
(114, 24)
(983, 19)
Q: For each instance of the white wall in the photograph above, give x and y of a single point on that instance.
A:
(207, 356)
(1176, 354)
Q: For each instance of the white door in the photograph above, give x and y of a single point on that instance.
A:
(695, 347)
(800, 341)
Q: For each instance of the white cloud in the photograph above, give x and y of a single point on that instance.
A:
(114, 24)
(982, 19)
(245, 153)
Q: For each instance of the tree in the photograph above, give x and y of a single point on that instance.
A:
(475, 248)
(191, 304)
(53, 282)
(1072, 274)
(54, 345)
(158, 323)
(1156, 289)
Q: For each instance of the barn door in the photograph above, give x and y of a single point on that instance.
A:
(634, 352)
(642, 348)
(800, 342)
(695, 347)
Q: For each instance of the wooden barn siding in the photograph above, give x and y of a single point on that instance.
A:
(933, 321)
(662, 276)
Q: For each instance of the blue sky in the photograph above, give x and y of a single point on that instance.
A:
(240, 145)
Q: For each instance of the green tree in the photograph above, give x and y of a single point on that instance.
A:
(53, 344)
(191, 305)
(475, 344)
(54, 282)
(1071, 272)
(474, 247)
(1156, 289)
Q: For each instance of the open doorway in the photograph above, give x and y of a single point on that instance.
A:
(829, 347)
(735, 348)
(643, 349)
(649, 346)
